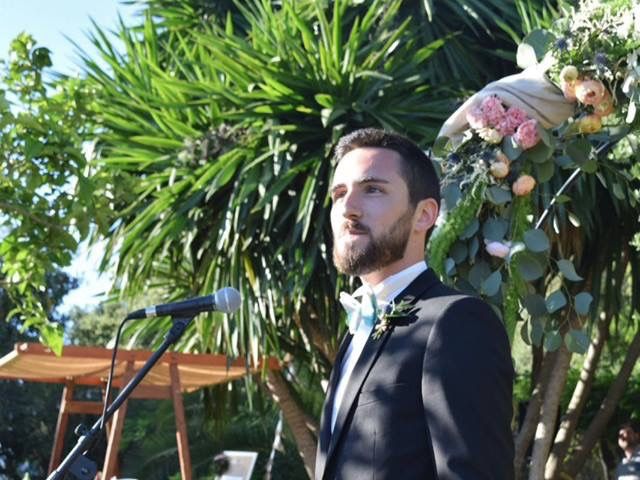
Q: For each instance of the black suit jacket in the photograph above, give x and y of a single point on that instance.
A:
(430, 399)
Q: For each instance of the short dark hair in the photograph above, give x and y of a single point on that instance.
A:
(633, 424)
(416, 168)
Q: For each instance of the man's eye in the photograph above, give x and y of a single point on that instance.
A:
(335, 195)
(373, 189)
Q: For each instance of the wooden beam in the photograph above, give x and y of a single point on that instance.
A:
(61, 426)
(181, 424)
(115, 435)
(87, 407)
(151, 392)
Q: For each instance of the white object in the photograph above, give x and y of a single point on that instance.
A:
(240, 465)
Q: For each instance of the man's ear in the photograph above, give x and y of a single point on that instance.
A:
(426, 215)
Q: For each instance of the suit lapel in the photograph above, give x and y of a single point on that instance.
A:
(325, 421)
(367, 359)
(360, 371)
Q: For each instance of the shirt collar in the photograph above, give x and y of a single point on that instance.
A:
(390, 287)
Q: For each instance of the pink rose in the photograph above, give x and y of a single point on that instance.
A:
(513, 118)
(590, 92)
(492, 110)
(475, 118)
(497, 249)
(523, 185)
(527, 134)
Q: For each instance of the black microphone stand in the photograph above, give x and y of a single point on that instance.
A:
(76, 462)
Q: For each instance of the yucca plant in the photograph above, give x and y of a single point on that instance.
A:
(216, 152)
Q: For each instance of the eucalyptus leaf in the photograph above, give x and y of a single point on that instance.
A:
(470, 229)
(535, 305)
(577, 341)
(495, 229)
(491, 285)
(541, 153)
(537, 332)
(474, 246)
(536, 240)
(459, 252)
(451, 194)
(540, 40)
(582, 303)
(568, 270)
(510, 148)
(579, 150)
(556, 301)
(498, 195)
(478, 273)
(564, 161)
(552, 341)
(545, 171)
(529, 267)
(449, 266)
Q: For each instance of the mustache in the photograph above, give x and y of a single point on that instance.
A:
(355, 226)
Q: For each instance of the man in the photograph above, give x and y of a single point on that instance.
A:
(423, 392)
(629, 442)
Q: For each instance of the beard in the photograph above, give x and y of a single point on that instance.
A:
(378, 252)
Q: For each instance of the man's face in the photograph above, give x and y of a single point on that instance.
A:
(627, 438)
(371, 216)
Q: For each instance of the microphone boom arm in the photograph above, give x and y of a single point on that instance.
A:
(75, 462)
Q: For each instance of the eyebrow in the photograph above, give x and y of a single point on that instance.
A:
(362, 181)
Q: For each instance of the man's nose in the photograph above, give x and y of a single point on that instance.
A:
(351, 205)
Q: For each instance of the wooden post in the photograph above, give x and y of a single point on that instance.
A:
(181, 424)
(115, 434)
(61, 425)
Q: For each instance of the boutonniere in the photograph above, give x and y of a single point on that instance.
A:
(388, 318)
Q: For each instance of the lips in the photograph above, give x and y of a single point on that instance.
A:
(355, 229)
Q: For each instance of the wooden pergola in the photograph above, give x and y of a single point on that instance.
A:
(174, 374)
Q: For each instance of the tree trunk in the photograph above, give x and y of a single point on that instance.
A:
(578, 399)
(296, 418)
(608, 406)
(549, 414)
(528, 427)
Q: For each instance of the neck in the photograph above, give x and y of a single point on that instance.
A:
(628, 452)
(374, 278)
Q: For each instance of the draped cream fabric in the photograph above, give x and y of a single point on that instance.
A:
(529, 90)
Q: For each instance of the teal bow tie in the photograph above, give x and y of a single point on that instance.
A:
(358, 311)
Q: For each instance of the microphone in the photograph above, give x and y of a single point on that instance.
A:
(225, 300)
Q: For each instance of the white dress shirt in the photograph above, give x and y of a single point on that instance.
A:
(385, 292)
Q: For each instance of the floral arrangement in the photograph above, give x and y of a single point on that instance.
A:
(594, 49)
(506, 166)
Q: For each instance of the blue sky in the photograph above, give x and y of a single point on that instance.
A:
(49, 21)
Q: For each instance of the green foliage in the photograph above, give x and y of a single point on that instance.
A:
(219, 172)
(149, 447)
(45, 195)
